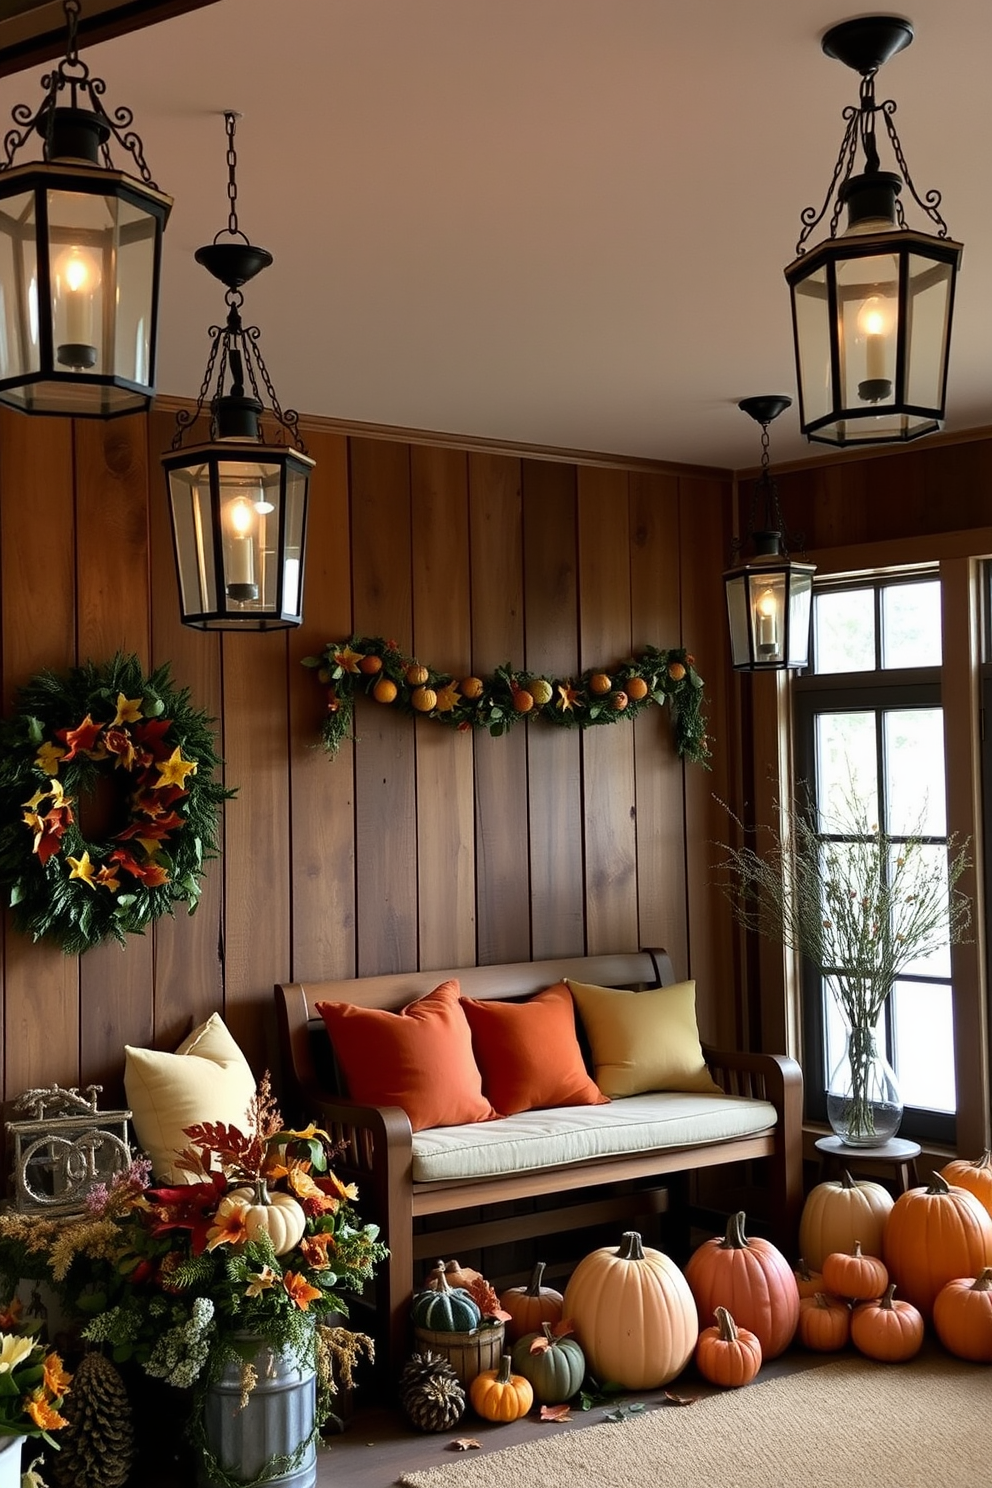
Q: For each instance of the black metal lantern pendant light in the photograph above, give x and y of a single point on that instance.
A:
(769, 594)
(238, 503)
(872, 306)
(80, 254)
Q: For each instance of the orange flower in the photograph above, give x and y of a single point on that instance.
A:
(314, 1248)
(228, 1227)
(42, 1413)
(448, 697)
(331, 1183)
(300, 1292)
(56, 1380)
(568, 697)
(347, 659)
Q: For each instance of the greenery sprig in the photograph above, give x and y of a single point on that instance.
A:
(373, 667)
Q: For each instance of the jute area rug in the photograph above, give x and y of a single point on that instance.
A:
(851, 1424)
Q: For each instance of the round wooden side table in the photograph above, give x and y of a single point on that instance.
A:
(898, 1153)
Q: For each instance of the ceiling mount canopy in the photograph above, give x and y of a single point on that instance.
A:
(768, 594)
(238, 501)
(872, 304)
(80, 253)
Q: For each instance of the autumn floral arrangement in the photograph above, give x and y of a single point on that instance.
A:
(262, 1242)
(33, 1380)
(373, 667)
(111, 741)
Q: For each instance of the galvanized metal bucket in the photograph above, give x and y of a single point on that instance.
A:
(262, 1441)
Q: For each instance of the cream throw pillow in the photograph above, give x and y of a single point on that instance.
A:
(207, 1079)
(643, 1041)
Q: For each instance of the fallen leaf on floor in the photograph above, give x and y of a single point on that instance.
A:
(671, 1399)
(556, 1412)
(623, 1411)
(464, 1444)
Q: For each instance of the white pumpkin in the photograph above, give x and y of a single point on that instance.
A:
(277, 1215)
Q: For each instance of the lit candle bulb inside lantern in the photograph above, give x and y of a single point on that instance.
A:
(77, 280)
(767, 615)
(240, 560)
(875, 323)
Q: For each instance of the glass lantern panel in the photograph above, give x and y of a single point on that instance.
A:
(737, 614)
(20, 352)
(811, 312)
(137, 231)
(800, 600)
(297, 481)
(189, 493)
(868, 312)
(250, 516)
(767, 598)
(927, 331)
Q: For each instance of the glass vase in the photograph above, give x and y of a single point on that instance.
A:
(864, 1107)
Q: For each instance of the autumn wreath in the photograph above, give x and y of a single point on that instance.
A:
(129, 755)
(601, 695)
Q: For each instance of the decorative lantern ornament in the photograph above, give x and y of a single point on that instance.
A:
(80, 254)
(872, 306)
(238, 504)
(769, 595)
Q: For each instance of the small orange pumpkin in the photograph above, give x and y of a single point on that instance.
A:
(887, 1330)
(808, 1282)
(499, 1395)
(854, 1275)
(962, 1316)
(975, 1176)
(727, 1355)
(934, 1235)
(531, 1306)
(752, 1279)
(824, 1323)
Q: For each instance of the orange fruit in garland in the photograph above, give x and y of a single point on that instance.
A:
(618, 702)
(417, 675)
(471, 687)
(423, 699)
(370, 664)
(637, 689)
(384, 690)
(523, 700)
(599, 683)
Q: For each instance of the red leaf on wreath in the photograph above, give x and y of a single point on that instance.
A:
(81, 739)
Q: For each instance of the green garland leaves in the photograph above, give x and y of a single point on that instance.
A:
(371, 666)
(137, 740)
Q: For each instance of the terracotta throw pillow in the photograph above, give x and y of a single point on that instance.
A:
(419, 1058)
(643, 1041)
(529, 1054)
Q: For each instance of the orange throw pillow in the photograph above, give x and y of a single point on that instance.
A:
(529, 1054)
(420, 1058)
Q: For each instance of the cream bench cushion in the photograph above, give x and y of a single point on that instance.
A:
(535, 1140)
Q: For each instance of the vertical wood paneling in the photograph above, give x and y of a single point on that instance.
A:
(608, 752)
(37, 583)
(704, 524)
(557, 899)
(445, 767)
(503, 909)
(189, 981)
(116, 983)
(385, 765)
(655, 610)
(322, 864)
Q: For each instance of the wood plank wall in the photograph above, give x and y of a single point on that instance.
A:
(417, 847)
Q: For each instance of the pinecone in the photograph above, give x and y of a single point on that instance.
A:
(98, 1443)
(431, 1394)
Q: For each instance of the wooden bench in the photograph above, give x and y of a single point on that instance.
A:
(378, 1143)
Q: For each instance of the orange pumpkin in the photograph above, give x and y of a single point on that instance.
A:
(934, 1235)
(887, 1330)
(499, 1395)
(752, 1279)
(824, 1323)
(808, 1282)
(727, 1355)
(839, 1212)
(531, 1306)
(854, 1275)
(962, 1316)
(975, 1176)
(633, 1314)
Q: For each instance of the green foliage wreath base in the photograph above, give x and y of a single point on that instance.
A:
(48, 898)
(355, 667)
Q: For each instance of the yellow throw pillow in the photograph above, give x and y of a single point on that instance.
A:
(643, 1041)
(207, 1079)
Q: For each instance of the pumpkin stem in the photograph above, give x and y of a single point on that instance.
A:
(631, 1248)
(438, 1280)
(549, 1332)
(983, 1283)
(727, 1326)
(856, 1252)
(503, 1373)
(847, 1181)
(985, 1161)
(938, 1185)
(886, 1301)
(261, 1192)
(803, 1271)
(534, 1286)
(735, 1238)
(822, 1300)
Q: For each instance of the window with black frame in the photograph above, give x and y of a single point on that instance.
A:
(870, 750)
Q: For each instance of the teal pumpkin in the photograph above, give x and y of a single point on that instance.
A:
(445, 1309)
(556, 1372)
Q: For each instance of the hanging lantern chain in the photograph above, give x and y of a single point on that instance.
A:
(84, 92)
(766, 488)
(860, 125)
(230, 119)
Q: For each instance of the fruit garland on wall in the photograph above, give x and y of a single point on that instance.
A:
(105, 740)
(371, 666)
